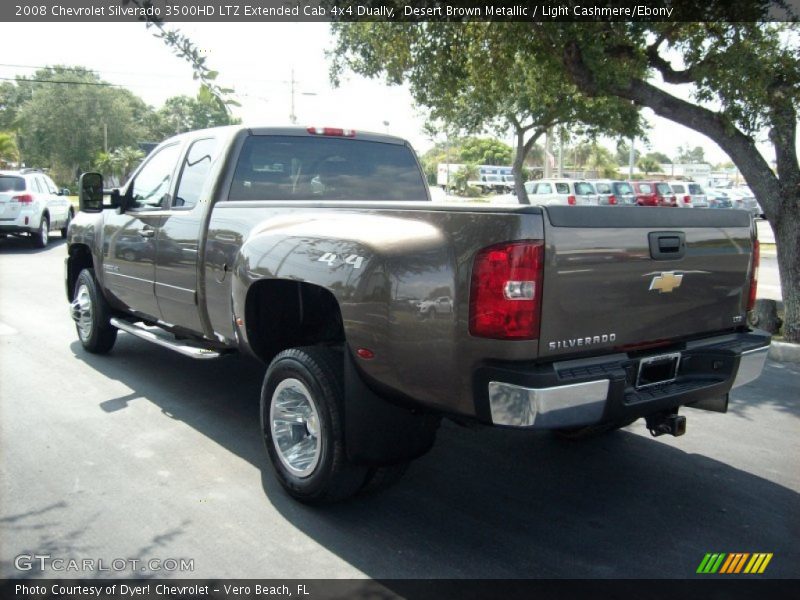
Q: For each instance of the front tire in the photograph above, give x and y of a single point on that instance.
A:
(91, 314)
(302, 421)
(42, 236)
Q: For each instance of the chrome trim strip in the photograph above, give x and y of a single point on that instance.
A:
(553, 407)
(751, 363)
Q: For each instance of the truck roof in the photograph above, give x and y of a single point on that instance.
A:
(294, 130)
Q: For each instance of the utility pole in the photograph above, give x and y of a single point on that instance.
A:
(548, 153)
(105, 138)
(292, 81)
(631, 157)
(292, 116)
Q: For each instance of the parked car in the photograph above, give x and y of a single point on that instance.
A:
(718, 198)
(32, 205)
(689, 194)
(744, 199)
(653, 193)
(612, 192)
(569, 192)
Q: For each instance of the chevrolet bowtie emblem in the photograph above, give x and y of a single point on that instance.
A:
(666, 282)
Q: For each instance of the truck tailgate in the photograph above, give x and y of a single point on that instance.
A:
(622, 279)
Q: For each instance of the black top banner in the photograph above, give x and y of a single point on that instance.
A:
(397, 11)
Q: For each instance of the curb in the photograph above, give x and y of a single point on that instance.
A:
(784, 352)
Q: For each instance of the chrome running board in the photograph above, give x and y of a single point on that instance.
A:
(158, 336)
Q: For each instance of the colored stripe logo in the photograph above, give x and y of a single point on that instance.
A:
(734, 563)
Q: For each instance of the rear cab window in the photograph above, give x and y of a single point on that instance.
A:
(275, 167)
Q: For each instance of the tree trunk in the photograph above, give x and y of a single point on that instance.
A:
(787, 240)
(519, 162)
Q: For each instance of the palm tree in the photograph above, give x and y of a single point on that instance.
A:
(648, 164)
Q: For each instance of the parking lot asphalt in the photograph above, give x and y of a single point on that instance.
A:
(144, 454)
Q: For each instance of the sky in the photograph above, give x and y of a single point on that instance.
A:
(257, 60)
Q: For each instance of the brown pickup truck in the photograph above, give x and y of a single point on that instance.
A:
(319, 252)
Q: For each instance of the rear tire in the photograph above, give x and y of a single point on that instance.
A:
(42, 236)
(92, 314)
(302, 422)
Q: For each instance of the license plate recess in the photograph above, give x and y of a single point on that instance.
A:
(658, 370)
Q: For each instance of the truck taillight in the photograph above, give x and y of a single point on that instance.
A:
(333, 131)
(571, 200)
(751, 300)
(23, 199)
(687, 199)
(612, 199)
(506, 291)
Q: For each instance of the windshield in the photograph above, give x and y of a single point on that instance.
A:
(272, 167)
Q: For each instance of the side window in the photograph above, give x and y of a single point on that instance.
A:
(544, 188)
(562, 188)
(153, 181)
(195, 173)
(50, 185)
(33, 184)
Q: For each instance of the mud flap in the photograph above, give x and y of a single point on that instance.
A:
(377, 432)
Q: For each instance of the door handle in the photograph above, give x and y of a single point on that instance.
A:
(147, 232)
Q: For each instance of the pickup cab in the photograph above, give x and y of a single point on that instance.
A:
(316, 249)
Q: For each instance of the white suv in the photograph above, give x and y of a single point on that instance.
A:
(689, 194)
(31, 203)
(569, 192)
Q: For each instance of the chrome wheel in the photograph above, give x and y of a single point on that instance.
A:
(295, 427)
(82, 312)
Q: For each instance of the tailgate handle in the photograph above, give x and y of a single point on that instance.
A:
(667, 245)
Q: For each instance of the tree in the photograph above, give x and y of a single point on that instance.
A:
(745, 79)
(690, 155)
(182, 113)
(649, 165)
(473, 79)
(485, 151)
(8, 149)
(62, 125)
(624, 153)
(602, 160)
(662, 158)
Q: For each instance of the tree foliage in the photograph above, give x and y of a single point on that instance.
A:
(474, 77)
(8, 149)
(62, 125)
(690, 155)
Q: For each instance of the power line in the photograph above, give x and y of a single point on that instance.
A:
(60, 82)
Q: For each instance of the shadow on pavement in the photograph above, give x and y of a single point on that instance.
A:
(490, 503)
(24, 245)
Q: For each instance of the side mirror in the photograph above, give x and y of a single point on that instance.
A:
(64, 192)
(90, 193)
